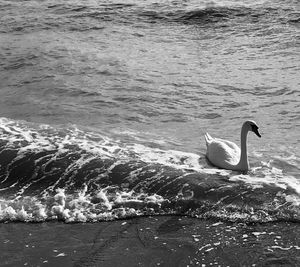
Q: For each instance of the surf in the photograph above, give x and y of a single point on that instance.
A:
(72, 175)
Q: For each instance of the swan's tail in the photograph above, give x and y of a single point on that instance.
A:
(208, 138)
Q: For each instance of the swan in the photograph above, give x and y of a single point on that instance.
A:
(227, 155)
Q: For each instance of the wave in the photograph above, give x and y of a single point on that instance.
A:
(72, 175)
(89, 16)
(214, 15)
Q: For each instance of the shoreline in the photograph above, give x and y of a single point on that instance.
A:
(150, 241)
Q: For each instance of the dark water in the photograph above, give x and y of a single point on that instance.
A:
(105, 104)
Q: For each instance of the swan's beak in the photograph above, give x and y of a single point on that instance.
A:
(255, 130)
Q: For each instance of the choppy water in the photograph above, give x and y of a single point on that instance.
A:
(105, 104)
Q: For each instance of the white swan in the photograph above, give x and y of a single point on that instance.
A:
(227, 155)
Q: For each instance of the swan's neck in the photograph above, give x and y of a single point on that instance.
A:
(243, 163)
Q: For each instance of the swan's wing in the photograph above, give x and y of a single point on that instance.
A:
(223, 153)
(209, 140)
(230, 144)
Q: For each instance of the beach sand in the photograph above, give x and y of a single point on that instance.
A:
(150, 241)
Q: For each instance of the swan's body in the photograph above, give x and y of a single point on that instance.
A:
(227, 155)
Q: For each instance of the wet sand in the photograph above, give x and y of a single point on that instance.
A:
(150, 241)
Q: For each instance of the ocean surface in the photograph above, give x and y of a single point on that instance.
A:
(104, 106)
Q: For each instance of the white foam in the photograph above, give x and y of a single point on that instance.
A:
(272, 176)
(106, 204)
(175, 159)
(47, 138)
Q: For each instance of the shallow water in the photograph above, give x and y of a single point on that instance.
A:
(98, 85)
(150, 241)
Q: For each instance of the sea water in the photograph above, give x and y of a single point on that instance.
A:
(104, 105)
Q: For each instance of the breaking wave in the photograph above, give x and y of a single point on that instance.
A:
(73, 175)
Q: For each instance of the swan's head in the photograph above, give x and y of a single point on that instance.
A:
(252, 126)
